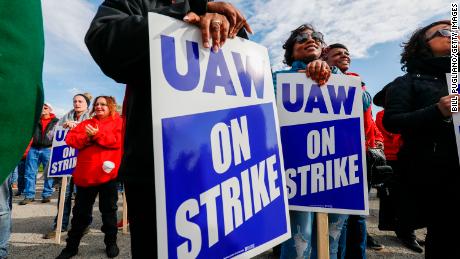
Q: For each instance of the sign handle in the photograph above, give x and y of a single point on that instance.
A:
(322, 235)
(61, 209)
(125, 214)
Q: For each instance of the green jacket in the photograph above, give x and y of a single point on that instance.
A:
(21, 87)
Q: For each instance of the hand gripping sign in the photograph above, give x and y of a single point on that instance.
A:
(323, 143)
(220, 183)
(63, 158)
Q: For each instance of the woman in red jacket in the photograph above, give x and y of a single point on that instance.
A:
(99, 142)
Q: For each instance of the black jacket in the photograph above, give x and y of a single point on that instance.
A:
(118, 41)
(44, 140)
(429, 165)
(411, 110)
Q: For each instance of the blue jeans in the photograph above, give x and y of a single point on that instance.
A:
(299, 245)
(5, 216)
(352, 244)
(336, 224)
(18, 175)
(36, 157)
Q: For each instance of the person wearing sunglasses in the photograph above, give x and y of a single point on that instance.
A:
(303, 51)
(418, 106)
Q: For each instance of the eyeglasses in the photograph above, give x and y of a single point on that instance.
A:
(303, 37)
(440, 33)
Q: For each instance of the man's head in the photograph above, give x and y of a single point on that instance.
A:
(47, 109)
(337, 55)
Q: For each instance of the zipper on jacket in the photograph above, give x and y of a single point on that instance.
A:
(434, 147)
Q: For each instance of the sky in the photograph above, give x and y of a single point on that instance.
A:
(373, 31)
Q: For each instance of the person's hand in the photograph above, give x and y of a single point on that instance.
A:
(234, 16)
(91, 131)
(318, 70)
(212, 25)
(379, 144)
(444, 105)
(70, 124)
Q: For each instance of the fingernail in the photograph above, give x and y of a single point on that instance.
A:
(215, 49)
(206, 44)
(186, 18)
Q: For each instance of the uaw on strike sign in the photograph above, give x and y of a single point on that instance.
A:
(220, 183)
(323, 143)
(63, 159)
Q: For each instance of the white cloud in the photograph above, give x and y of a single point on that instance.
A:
(74, 91)
(357, 24)
(68, 20)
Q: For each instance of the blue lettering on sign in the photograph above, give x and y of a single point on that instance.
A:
(217, 71)
(323, 163)
(223, 182)
(341, 98)
(217, 65)
(63, 161)
(298, 103)
(60, 135)
(315, 99)
(180, 82)
(249, 75)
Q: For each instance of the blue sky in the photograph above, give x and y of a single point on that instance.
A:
(373, 30)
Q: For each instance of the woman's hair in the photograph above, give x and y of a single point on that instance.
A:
(111, 104)
(289, 43)
(417, 47)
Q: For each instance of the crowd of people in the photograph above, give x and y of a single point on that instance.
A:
(415, 131)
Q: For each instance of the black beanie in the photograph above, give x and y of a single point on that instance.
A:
(86, 99)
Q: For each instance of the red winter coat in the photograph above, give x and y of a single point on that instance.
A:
(104, 146)
(392, 142)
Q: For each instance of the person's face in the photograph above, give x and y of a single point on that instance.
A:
(101, 109)
(307, 50)
(79, 104)
(339, 57)
(439, 44)
(45, 110)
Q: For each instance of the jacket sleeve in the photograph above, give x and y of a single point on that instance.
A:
(399, 112)
(77, 137)
(118, 35)
(379, 123)
(110, 137)
(377, 133)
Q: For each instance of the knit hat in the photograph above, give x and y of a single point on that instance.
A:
(49, 106)
(87, 97)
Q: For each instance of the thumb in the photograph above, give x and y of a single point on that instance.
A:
(192, 18)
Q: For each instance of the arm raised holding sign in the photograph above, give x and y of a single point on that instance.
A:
(119, 43)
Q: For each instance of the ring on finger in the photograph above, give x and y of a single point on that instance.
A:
(215, 24)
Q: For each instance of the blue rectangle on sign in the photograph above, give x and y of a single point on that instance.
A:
(323, 163)
(222, 199)
(63, 161)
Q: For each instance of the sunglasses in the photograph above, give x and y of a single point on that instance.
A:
(303, 37)
(440, 33)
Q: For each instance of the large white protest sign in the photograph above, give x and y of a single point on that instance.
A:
(219, 177)
(455, 117)
(63, 159)
(323, 143)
